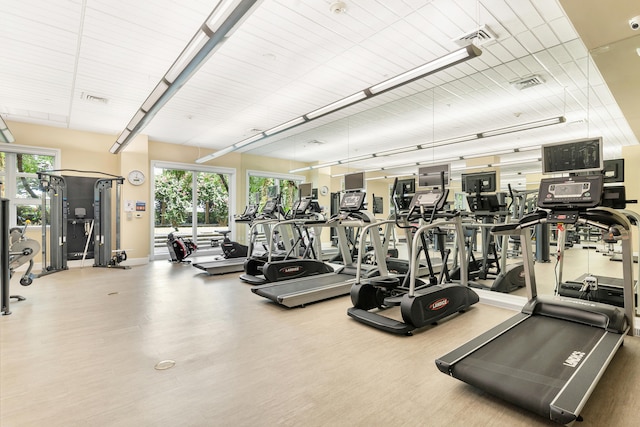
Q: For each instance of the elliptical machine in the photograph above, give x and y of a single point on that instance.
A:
(421, 302)
(303, 258)
(511, 276)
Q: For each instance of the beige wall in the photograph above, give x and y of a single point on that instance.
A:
(89, 151)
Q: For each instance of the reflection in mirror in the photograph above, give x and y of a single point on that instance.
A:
(486, 114)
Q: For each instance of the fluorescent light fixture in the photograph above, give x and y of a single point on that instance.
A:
(434, 66)
(466, 138)
(397, 151)
(390, 176)
(326, 165)
(223, 19)
(517, 162)
(448, 60)
(449, 141)
(155, 95)
(125, 133)
(360, 158)
(285, 126)
(136, 119)
(335, 106)
(249, 140)
(187, 55)
(524, 126)
(5, 133)
(219, 14)
(217, 154)
(306, 168)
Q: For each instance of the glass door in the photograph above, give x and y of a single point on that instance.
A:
(191, 203)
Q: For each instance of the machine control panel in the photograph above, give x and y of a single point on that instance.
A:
(578, 192)
(428, 199)
(352, 201)
(565, 217)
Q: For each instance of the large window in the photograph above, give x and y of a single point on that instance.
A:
(18, 174)
(195, 202)
(265, 185)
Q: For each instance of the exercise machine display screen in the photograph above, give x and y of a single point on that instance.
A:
(269, 207)
(572, 156)
(572, 189)
(301, 206)
(429, 199)
(576, 192)
(352, 201)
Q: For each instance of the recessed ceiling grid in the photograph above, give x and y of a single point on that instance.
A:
(291, 57)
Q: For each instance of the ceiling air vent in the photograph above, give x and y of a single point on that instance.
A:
(527, 82)
(93, 98)
(479, 37)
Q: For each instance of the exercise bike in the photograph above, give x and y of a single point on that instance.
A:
(180, 248)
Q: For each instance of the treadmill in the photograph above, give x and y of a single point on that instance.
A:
(548, 358)
(221, 265)
(609, 290)
(301, 291)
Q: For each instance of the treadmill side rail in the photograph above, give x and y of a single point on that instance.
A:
(445, 362)
(567, 405)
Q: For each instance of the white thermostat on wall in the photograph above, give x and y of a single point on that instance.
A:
(136, 177)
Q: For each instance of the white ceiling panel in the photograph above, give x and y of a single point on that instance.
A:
(291, 57)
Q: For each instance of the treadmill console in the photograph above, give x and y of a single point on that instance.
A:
(301, 206)
(269, 207)
(248, 215)
(578, 192)
(352, 201)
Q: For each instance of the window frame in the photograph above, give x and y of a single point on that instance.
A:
(11, 174)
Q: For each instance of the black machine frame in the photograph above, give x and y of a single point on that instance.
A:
(549, 358)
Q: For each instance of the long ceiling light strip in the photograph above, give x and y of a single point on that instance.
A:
(453, 159)
(226, 16)
(450, 141)
(429, 68)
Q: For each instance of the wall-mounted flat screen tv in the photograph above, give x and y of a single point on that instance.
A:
(429, 176)
(573, 156)
(306, 189)
(614, 170)
(354, 181)
(479, 182)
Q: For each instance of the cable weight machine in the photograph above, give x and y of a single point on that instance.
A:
(55, 207)
(104, 255)
(59, 196)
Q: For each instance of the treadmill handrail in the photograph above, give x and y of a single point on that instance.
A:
(600, 217)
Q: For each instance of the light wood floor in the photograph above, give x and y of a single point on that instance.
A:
(81, 350)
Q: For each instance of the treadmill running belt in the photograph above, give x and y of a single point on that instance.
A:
(533, 363)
